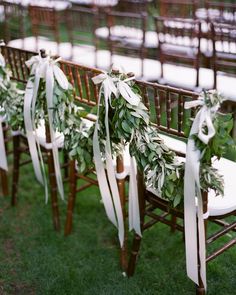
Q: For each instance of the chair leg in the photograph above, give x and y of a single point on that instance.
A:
(53, 190)
(134, 255)
(121, 187)
(173, 223)
(4, 181)
(71, 199)
(16, 168)
(137, 239)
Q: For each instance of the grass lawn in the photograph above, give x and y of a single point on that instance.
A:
(34, 259)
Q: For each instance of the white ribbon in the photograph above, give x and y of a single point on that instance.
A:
(47, 69)
(134, 213)
(110, 192)
(192, 189)
(3, 156)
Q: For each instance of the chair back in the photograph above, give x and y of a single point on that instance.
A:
(44, 22)
(81, 24)
(127, 34)
(178, 8)
(179, 40)
(14, 21)
(222, 11)
(133, 6)
(224, 49)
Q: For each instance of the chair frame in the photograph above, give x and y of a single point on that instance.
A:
(194, 32)
(148, 202)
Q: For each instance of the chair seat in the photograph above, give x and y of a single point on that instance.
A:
(217, 205)
(52, 47)
(180, 50)
(129, 35)
(185, 77)
(41, 135)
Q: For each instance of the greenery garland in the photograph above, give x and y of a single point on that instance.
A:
(162, 171)
(11, 98)
(128, 124)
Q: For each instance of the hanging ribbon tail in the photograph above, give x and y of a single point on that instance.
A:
(134, 213)
(102, 180)
(3, 157)
(194, 224)
(49, 96)
(128, 94)
(29, 93)
(2, 61)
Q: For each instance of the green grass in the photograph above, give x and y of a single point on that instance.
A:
(34, 259)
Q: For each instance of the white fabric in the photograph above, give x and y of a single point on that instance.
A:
(58, 5)
(217, 205)
(3, 156)
(184, 77)
(51, 47)
(129, 34)
(100, 3)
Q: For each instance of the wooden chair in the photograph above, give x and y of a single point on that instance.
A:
(179, 44)
(126, 37)
(132, 6)
(86, 94)
(45, 23)
(16, 58)
(14, 21)
(223, 37)
(167, 105)
(223, 12)
(178, 8)
(81, 24)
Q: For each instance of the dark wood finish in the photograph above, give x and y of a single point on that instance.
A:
(14, 21)
(223, 58)
(121, 187)
(180, 8)
(167, 103)
(172, 34)
(134, 6)
(44, 22)
(81, 24)
(226, 11)
(124, 45)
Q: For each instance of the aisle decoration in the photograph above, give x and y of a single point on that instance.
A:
(124, 120)
(47, 99)
(209, 138)
(9, 94)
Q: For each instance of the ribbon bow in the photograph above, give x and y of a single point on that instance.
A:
(42, 68)
(203, 127)
(108, 185)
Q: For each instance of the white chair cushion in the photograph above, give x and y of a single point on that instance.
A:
(217, 205)
(41, 135)
(130, 35)
(226, 204)
(227, 86)
(58, 5)
(52, 47)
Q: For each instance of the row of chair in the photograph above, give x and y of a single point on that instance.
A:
(166, 105)
(203, 52)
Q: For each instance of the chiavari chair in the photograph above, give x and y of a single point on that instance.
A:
(178, 8)
(14, 17)
(81, 23)
(44, 23)
(167, 110)
(223, 37)
(128, 41)
(179, 45)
